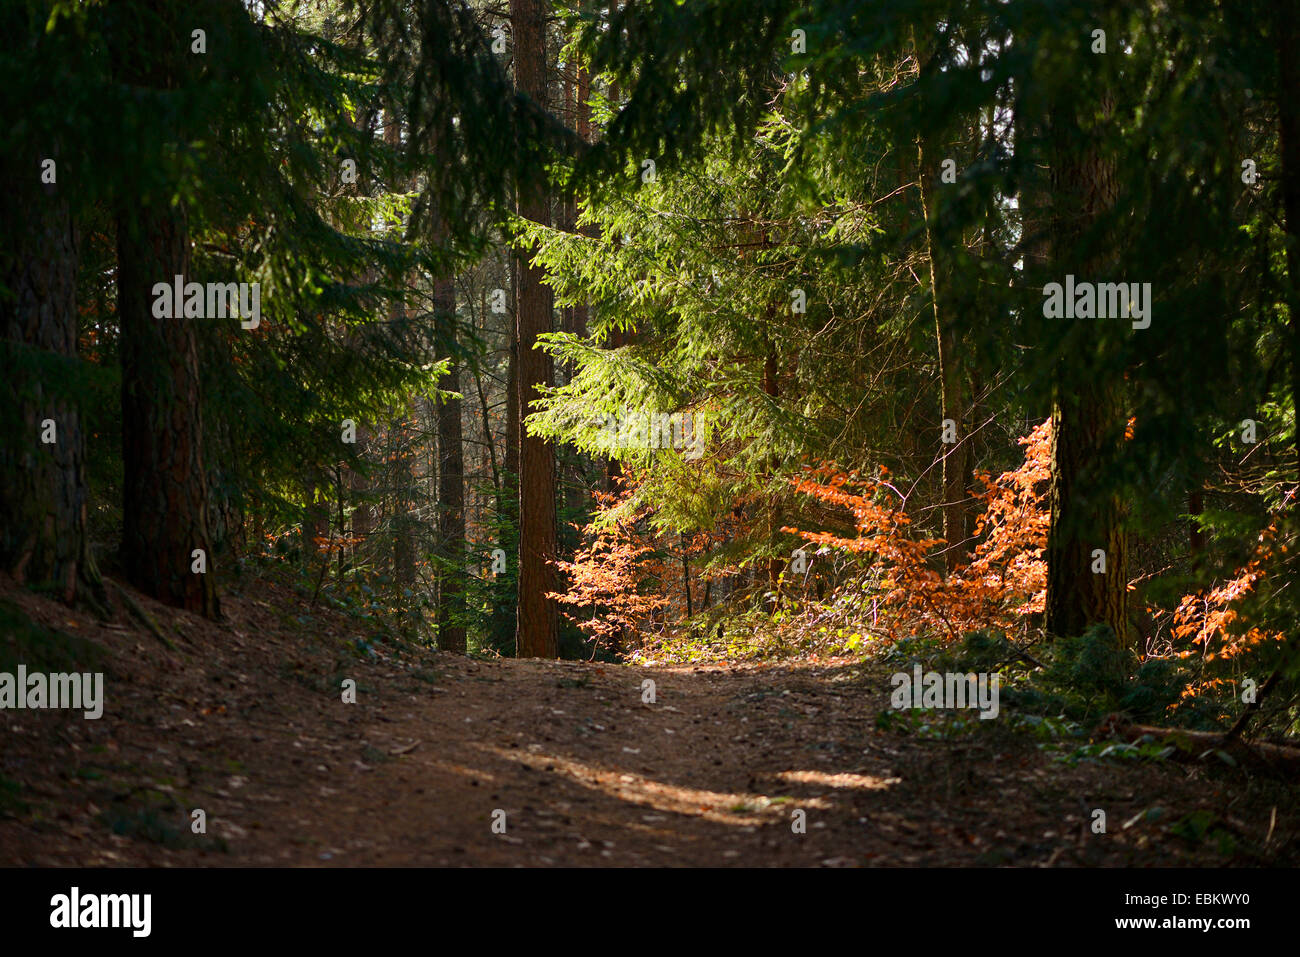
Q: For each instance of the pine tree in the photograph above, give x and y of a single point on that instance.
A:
(166, 543)
(44, 538)
(536, 634)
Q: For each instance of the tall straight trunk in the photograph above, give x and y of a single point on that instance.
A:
(512, 397)
(951, 398)
(451, 486)
(165, 484)
(1084, 516)
(43, 537)
(1088, 414)
(951, 305)
(536, 634)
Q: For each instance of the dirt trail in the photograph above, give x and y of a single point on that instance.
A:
(245, 721)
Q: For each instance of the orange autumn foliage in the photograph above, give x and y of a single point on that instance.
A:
(1006, 578)
(1211, 621)
(1008, 574)
(627, 582)
(606, 581)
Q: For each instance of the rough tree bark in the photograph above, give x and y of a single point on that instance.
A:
(1088, 414)
(43, 536)
(165, 486)
(536, 634)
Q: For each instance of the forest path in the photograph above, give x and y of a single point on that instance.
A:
(253, 731)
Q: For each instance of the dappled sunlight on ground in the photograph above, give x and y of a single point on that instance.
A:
(733, 808)
(866, 782)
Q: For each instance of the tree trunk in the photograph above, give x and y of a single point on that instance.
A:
(164, 488)
(165, 509)
(1088, 415)
(511, 478)
(536, 634)
(451, 487)
(43, 537)
(1085, 517)
(951, 399)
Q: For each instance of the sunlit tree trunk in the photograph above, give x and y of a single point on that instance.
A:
(536, 634)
